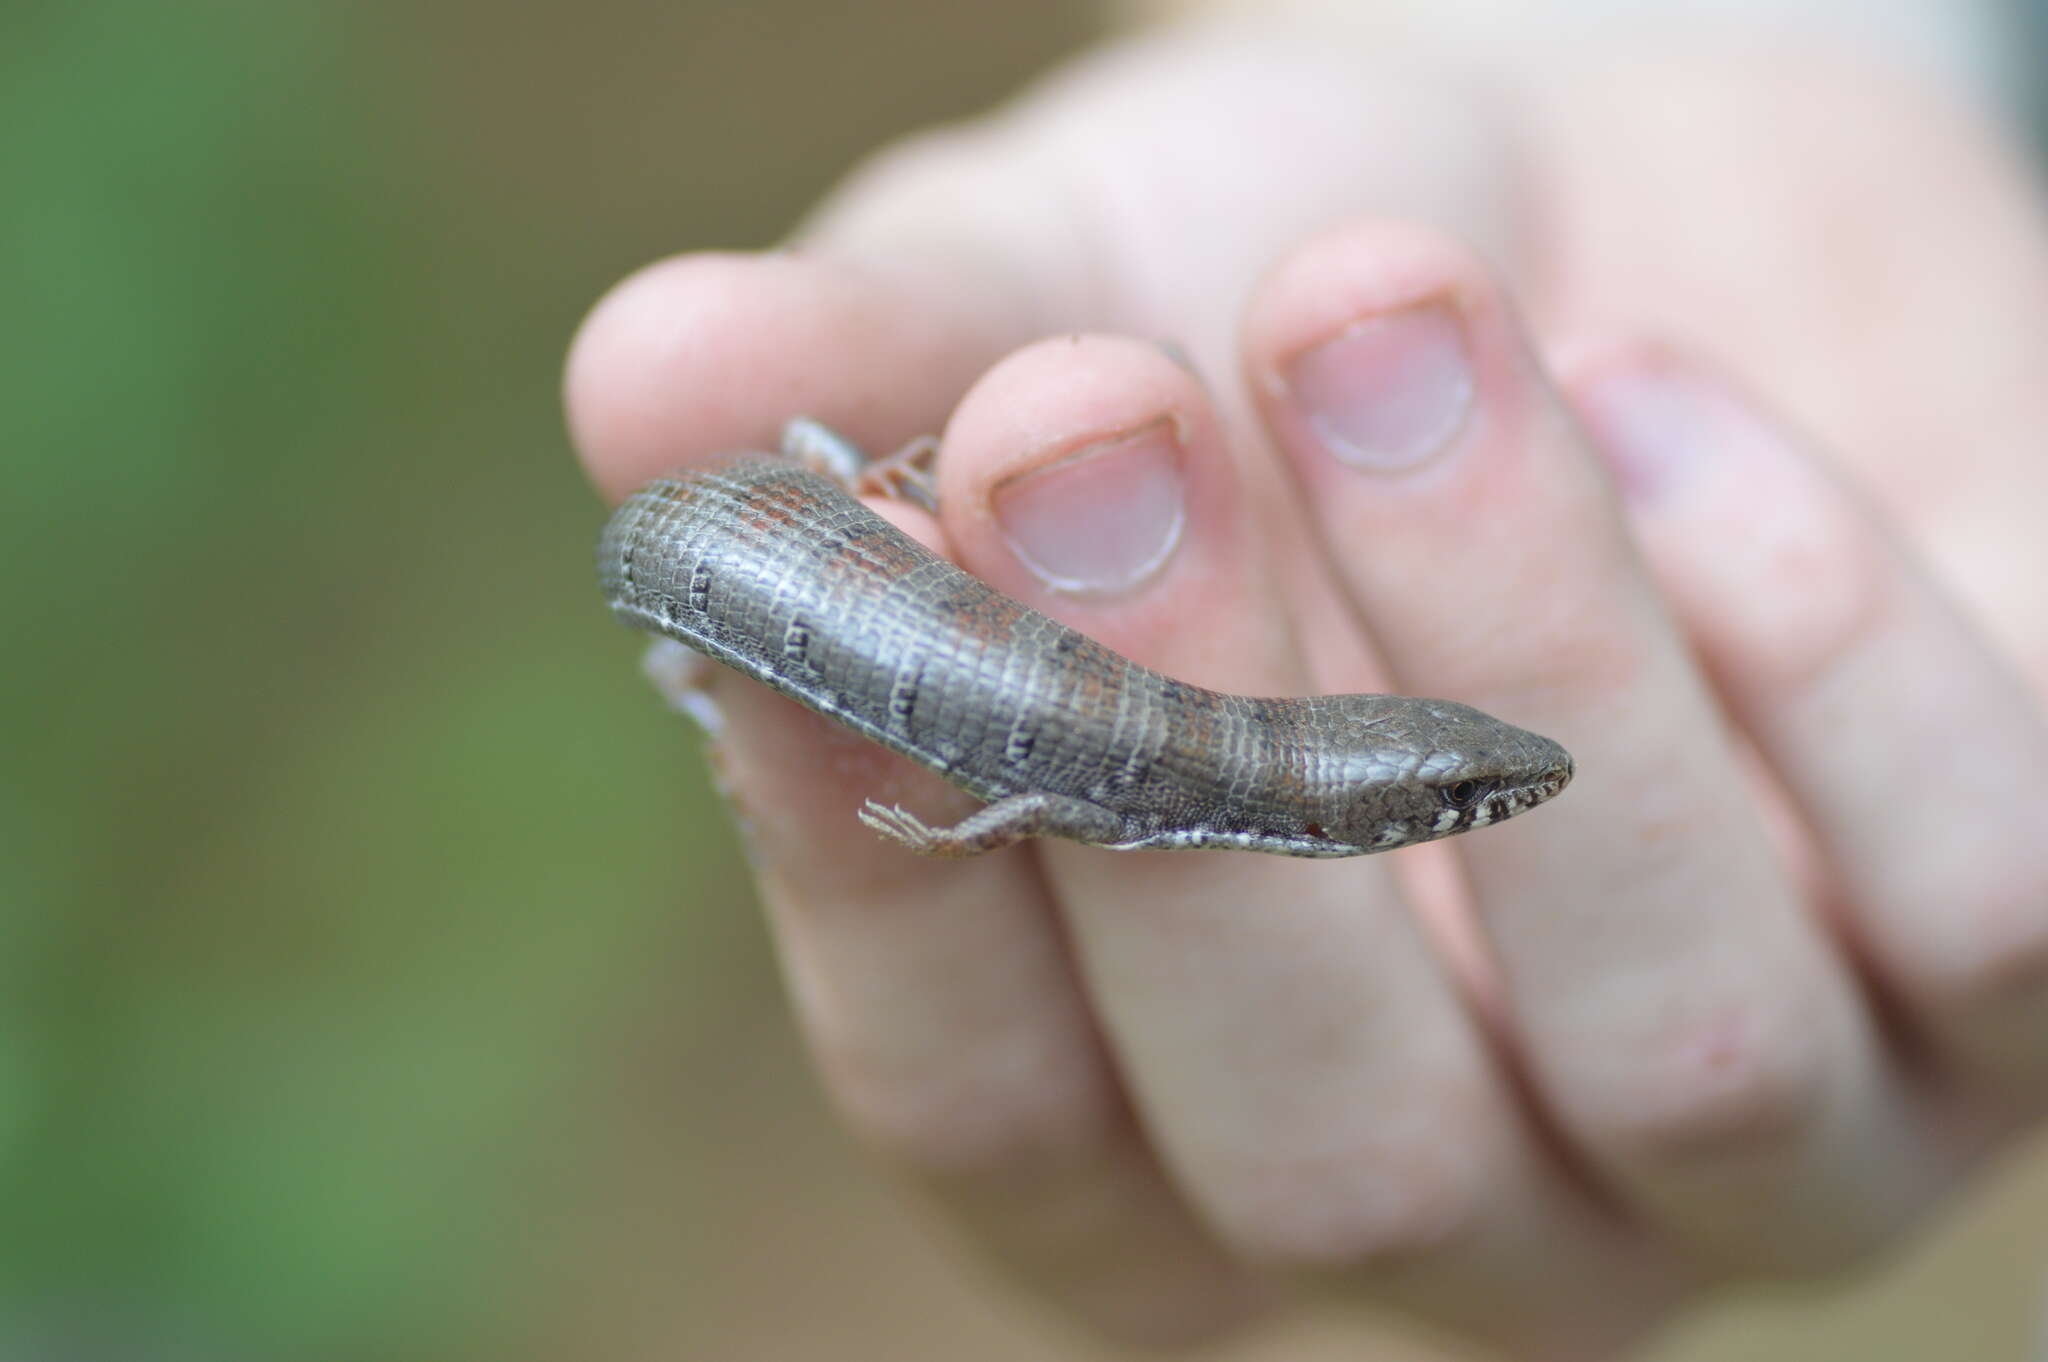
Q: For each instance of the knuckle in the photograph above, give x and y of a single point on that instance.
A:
(973, 1121)
(1846, 589)
(1374, 1215)
(915, 169)
(1741, 1084)
(2001, 962)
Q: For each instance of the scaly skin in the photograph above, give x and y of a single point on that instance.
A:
(774, 569)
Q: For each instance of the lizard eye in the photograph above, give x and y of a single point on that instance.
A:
(1464, 794)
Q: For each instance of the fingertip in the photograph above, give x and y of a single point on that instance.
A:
(1354, 270)
(1773, 567)
(1384, 349)
(1651, 410)
(1472, 531)
(649, 376)
(1069, 469)
(1051, 409)
(1089, 476)
(714, 351)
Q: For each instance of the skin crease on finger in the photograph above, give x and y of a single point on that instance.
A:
(1310, 1075)
(1689, 1024)
(1865, 645)
(647, 427)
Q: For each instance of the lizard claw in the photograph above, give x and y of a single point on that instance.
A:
(898, 824)
(910, 474)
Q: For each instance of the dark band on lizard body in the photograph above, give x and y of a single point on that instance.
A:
(775, 569)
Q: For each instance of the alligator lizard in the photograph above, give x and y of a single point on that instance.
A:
(768, 564)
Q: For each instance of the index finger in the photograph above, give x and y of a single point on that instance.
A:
(937, 996)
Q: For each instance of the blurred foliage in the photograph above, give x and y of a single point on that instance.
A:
(341, 839)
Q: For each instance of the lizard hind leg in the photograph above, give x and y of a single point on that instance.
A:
(909, 474)
(1001, 824)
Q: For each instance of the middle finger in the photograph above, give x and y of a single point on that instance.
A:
(1683, 1014)
(1301, 1061)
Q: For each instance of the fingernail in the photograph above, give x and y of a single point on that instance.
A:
(1657, 424)
(1102, 519)
(1389, 391)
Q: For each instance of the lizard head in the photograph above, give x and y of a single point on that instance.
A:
(1397, 770)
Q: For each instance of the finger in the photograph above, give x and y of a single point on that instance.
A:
(1682, 1015)
(1296, 1053)
(704, 355)
(715, 351)
(937, 997)
(1915, 753)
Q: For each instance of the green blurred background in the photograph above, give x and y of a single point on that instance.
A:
(376, 977)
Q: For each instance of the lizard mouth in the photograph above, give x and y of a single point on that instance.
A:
(1522, 798)
(1506, 803)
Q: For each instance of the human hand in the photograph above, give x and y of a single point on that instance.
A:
(1157, 1085)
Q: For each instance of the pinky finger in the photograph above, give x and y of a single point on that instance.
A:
(1915, 753)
